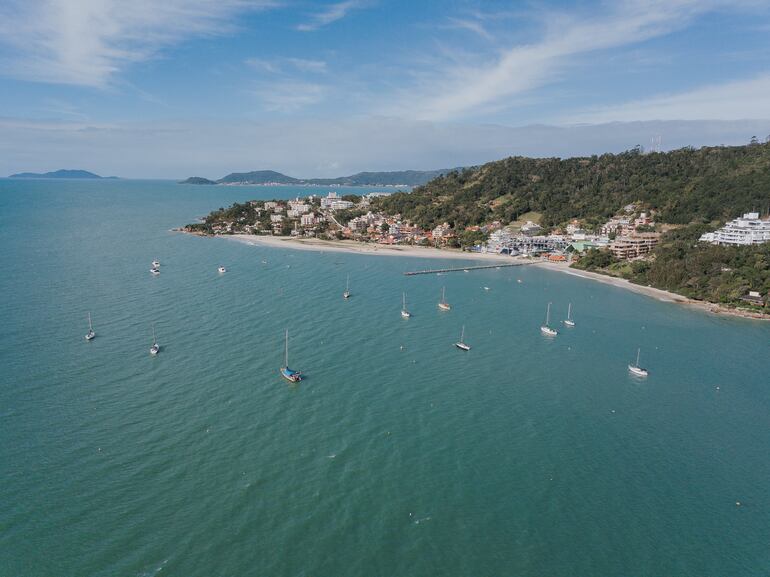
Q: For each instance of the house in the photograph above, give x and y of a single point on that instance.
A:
(276, 218)
(754, 298)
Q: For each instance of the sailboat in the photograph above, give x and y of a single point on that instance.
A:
(90, 334)
(222, 270)
(156, 263)
(546, 329)
(346, 294)
(635, 368)
(568, 321)
(404, 313)
(286, 372)
(155, 348)
(461, 343)
(443, 305)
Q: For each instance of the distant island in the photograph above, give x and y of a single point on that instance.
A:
(60, 174)
(268, 177)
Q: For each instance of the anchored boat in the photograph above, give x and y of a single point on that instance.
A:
(546, 328)
(443, 305)
(635, 368)
(286, 372)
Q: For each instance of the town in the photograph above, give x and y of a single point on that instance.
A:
(630, 234)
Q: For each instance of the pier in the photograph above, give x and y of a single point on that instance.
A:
(462, 269)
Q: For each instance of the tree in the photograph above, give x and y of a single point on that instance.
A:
(384, 228)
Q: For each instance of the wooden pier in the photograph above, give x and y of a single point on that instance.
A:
(463, 269)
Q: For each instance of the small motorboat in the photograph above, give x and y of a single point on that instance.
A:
(222, 269)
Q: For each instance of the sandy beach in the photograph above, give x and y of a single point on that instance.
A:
(350, 246)
(659, 294)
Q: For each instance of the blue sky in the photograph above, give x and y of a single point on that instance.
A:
(167, 89)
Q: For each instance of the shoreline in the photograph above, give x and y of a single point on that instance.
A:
(354, 247)
(656, 293)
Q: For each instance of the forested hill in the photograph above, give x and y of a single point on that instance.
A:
(686, 185)
(394, 178)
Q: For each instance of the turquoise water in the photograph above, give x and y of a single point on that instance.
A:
(398, 455)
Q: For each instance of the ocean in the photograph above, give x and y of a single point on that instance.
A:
(398, 455)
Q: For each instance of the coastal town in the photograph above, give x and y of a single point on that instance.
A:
(630, 234)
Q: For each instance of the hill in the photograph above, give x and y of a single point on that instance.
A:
(197, 180)
(60, 174)
(394, 178)
(686, 185)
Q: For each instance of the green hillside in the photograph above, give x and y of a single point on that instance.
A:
(686, 185)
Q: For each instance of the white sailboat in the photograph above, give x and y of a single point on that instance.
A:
(155, 348)
(222, 270)
(635, 368)
(443, 305)
(286, 372)
(90, 334)
(568, 321)
(546, 329)
(346, 294)
(155, 271)
(156, 264)
(404, 313)
(461, 343)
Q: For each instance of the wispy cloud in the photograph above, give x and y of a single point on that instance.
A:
(331, 13)
(472, 85)
(290, 95)
(729, 101)
(471, 25)
(286, 65)
(87, 42)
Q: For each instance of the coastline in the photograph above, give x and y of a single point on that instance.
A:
(656, 293)
(351, 246)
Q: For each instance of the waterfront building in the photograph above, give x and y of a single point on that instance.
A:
(626, 247)
(531, 229)
(276, 218)
(749, 229)
(333, 202)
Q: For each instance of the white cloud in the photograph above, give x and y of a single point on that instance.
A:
(470, 86)
(86, 42)
(290, 95)
(281, 65)
(329, 14)
(728, 101)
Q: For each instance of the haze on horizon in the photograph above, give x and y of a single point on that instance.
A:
(324, 89)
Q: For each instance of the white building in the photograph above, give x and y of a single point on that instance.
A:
(749, 229)
(308, 219)
(334, 202)
(276, 218)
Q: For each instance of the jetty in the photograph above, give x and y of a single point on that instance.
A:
(464, 268)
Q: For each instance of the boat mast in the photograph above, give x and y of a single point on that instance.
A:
(154, 340)
(347, 285)
(403, 301)
(286, 350)
(90, 328)
(569, 312)
(548, 314)
(638, 352)
(462, 334)
(443, 292)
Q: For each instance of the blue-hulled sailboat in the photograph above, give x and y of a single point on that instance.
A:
(286, 372)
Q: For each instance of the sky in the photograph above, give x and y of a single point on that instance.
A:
(147, 89)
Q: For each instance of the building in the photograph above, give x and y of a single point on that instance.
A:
(754, 298)
(334, 202)
(615, 226)
(625, 247)
(749, 229)
(276, 218)
(531, 229)
(308, 219)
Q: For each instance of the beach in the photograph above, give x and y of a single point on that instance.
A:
(355, 247)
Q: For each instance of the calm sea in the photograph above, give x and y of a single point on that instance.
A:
(399, 455)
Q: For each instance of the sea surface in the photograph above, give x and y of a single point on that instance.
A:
(399, 455)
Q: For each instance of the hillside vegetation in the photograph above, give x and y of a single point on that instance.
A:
(686, 185)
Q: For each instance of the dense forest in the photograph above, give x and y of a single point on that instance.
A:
(686, 185)
(719, 274)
